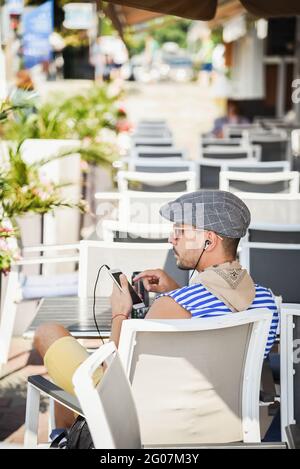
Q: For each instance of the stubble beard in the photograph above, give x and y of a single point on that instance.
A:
(180, 263)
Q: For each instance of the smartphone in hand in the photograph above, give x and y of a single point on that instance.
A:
(136, 300)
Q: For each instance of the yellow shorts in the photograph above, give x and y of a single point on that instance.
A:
(62, 360)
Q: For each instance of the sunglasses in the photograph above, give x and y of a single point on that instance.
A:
(178, 232)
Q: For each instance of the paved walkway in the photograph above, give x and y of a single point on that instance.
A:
(22, 363)
(189, 109)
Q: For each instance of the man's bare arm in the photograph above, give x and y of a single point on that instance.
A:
(166, 308)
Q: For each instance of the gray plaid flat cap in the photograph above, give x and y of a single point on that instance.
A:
(218, 211)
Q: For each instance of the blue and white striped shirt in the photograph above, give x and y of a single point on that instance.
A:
(202, 304)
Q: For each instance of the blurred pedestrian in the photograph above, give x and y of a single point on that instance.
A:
(233, 117)
(98, 59)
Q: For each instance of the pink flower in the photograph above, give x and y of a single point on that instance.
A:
(6, 230)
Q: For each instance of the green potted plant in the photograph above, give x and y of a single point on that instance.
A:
(22, 191)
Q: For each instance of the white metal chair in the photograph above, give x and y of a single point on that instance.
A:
(283, 182)
(208, 141)
(161, 165)
(271, 254)
(132, 206)
(113, 400)
(149, 132)
(209, 169)
(118, 429)
(34, 287)
(289, 366)
(136, 231)
(158, 182)
(147, 121)
(129, 257)
(158, 152)
(202, 406)
(258, 166)
(152, 142)
(231, 152)
(238, 130)
(274, 147)
(274, 209)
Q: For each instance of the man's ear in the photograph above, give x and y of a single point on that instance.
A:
(211, 240)
(206, 244)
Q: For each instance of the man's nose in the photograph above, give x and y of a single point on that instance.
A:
(171, 239)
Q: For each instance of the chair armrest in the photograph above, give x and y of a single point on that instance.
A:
(59, 395)
(45, 248)
(293, 436)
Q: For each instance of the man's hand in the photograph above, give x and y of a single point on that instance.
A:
(121, 302)
(157, 281)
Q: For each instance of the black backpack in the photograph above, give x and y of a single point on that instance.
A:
(78, 437)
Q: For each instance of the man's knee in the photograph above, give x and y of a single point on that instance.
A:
(46, 335)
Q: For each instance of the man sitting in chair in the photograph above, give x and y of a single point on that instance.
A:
(208, 226)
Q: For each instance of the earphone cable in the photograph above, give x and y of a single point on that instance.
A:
(94, 300)
(206, 244)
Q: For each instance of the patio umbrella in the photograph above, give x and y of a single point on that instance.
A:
(206, 9)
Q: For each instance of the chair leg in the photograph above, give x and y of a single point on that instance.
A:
(32, 417)
(51, 423)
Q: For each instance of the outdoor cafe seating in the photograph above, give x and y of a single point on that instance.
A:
(131, 236)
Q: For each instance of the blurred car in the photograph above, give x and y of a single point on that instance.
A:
(169, 63)
(177, 68)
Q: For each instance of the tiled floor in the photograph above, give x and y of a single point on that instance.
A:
(22, 363)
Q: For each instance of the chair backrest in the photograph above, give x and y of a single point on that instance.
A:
(135, 232)
(184, 391)
(132, 206)
(161, 165)
(278, 182)
(129, 258)
(231, 152)
(209, 170)
(158, 122)
(109, 407)
(237, 130)
(156, 132)
(158, 152)
(152, 142)
(281, 209)
(143, 207)
(213, 141)
(152, 128)
(273, 147)
(271, 254)
(259, 166)
(157, 182)
(289, 366)
(156, 125)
